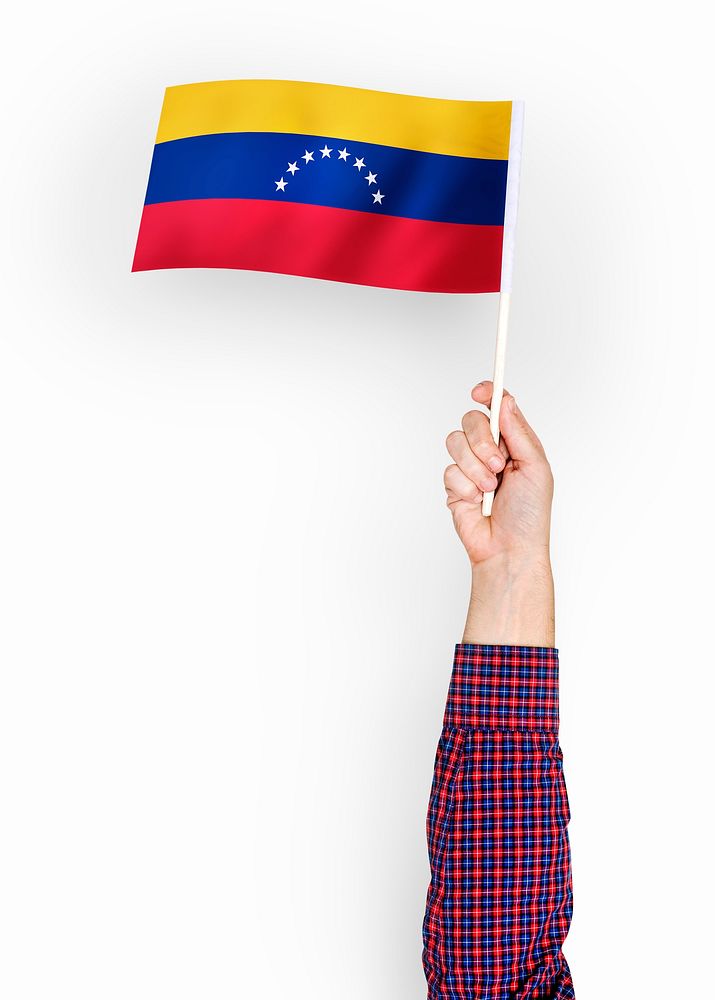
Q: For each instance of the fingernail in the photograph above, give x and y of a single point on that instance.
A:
(512, 405)
(495, 463)
(479, 384)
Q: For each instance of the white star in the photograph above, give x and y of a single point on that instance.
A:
(292, 167)
(359, 163)
(343, 154)
(371, 178)
(377, 197)
(308, 157)
(325, 151)
(280, 185)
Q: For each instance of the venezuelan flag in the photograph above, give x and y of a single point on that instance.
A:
(334, 182)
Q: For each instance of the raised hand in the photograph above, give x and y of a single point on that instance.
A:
(509, 551)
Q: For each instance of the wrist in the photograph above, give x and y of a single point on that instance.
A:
(515, 562)
(512, 600)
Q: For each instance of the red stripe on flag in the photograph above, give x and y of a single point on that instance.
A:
(341, 245)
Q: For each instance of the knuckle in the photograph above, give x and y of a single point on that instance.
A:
(485, 447)
(472, 420)
(468, 420)
(449, 474)
(453, 439)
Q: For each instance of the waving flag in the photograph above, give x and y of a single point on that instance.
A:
(334, 182)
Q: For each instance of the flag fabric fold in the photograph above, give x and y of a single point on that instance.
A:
(333, 182)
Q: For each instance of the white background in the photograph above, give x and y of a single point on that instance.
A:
(229, 587)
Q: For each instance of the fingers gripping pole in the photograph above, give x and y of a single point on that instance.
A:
(498, 383)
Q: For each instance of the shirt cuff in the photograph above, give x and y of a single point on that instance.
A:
(504, 687)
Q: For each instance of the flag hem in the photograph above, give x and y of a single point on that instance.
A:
(516, 133)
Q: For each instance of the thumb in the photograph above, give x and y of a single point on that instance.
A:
(519, 437)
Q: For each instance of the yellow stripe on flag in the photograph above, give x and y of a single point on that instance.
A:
(458, 128)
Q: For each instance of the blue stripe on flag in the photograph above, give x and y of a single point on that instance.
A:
(413, 184)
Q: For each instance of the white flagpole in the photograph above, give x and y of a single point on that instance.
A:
(507, 268)
(498, 383)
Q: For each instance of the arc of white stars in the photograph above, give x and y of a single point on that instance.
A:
(343, 154)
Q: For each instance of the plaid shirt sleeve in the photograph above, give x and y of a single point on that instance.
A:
(499, 900)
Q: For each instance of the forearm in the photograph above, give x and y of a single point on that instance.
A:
(512, 602)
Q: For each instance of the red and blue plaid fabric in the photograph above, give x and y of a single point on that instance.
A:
(499, 901)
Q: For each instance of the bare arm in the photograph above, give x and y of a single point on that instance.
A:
(512, 597)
